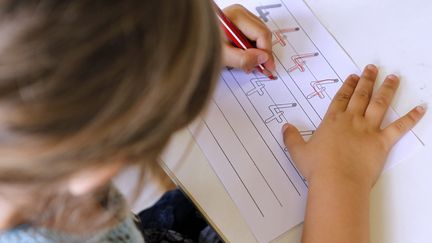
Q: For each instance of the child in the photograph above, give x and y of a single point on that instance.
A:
(89, 87)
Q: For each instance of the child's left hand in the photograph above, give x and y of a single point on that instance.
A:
(256, 31)
(344, 158)
(350, 141)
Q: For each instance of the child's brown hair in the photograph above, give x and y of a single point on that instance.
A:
(85, 81)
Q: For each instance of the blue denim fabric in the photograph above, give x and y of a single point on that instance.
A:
(174, 218)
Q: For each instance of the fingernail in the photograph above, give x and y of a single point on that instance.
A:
(372, 68)
(422, 108)
(393, 77)
(285, 127)
(262, 58)
(354, 76)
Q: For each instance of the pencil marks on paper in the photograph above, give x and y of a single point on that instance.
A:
(277, 112)
(242, 134)
(259, 85)
(319, 88)
(280, 36)
(299, 61)
(263, 11)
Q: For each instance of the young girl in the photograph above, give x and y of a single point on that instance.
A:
(90, 87)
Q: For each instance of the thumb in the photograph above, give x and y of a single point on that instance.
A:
(292, 138)
(246, 60)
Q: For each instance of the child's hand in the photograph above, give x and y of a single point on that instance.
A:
(256, 31)
(344, 158)
(349, 144)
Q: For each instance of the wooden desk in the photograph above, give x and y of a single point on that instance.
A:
(395, 35)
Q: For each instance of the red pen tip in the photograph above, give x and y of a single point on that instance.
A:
(267, 73)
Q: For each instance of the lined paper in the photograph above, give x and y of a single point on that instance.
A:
(240, 134)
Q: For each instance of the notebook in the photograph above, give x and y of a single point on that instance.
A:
(240, 133)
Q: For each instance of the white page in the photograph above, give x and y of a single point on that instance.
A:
(241, 132)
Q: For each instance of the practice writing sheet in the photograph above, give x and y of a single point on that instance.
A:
(240, 133)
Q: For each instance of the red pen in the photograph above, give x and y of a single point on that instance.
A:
(238, 38)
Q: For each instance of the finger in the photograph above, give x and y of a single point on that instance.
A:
(381, 101)
(363, 91)
(292, 138)
(264, 41)
(397, 129)
(258, 19)
(270, 64)
(254, 29)
(247, 60)
(343, 96)
(263, 38)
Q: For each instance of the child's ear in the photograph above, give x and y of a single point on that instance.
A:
(90, 179)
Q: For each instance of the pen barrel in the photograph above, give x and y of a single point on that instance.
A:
(232, 32)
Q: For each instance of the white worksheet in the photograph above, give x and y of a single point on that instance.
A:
(240, 134)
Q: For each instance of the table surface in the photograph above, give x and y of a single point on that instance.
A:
(396, 36)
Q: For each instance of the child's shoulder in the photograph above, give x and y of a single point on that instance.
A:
(125, 231)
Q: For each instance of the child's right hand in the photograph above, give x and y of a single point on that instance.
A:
(255, 29)
(349, 143)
